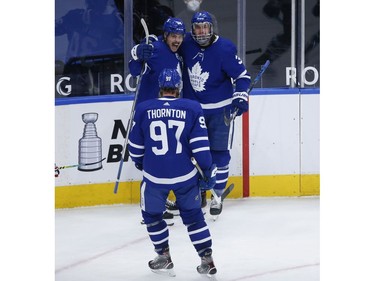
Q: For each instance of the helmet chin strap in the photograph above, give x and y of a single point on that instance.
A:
(209, 38)
(203, 42)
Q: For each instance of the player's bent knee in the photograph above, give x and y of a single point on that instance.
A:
(151, 219)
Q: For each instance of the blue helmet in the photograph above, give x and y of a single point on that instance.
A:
(200, 18)
(174, 25)
(169, 78)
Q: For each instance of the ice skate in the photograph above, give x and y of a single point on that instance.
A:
(172, 207)
(215, 208)
(162, 264)
(207, 267)
(168, 215)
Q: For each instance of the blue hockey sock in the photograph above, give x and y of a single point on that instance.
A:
(222, 175)
(200, 236)
(158, 233)
(221, 159)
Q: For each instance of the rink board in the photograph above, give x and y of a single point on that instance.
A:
(129, 192)
(284, 148)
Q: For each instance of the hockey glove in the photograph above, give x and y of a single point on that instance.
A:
(239, 101)
(210, 178)
(142, 52)
(139, 166)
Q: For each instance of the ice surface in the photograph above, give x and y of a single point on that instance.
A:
(262, 239)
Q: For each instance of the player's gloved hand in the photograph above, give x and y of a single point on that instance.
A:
(142, 52)
(151, 39)
(139, 166)
(210, 178)
(239, 100)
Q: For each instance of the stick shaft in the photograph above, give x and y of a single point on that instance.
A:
(259, 75)
(130, 121)
(195, 163)
(80, 165)
(257, 78)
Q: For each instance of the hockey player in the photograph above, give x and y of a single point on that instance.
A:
(157, 55)
(166, 133)
(214, 76)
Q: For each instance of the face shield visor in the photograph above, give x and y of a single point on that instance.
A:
(202, 32)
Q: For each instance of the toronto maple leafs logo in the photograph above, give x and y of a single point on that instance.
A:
(197, 78)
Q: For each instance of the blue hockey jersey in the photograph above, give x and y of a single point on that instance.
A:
(166, 133)
(162, 57)
(212, 74)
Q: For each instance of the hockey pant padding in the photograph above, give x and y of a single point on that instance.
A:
(153, 198)
(188, 198)
(200, 237)
(221, 159)
(219, 134)
(158, 232)
(192, 216)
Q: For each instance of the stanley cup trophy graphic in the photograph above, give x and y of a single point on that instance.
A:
(90, 145)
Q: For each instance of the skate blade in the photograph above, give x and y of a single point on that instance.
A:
(168, 223)
(211, 277)
(168, 216)
(208, 275)
(174, 212)
(164, 272)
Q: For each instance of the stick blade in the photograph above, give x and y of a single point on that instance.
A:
(227, 191)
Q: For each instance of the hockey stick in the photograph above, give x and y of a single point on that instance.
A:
(130, 121)
(233, 115)
(195, 163)
(80, 165)
(227, 191)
